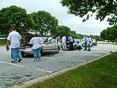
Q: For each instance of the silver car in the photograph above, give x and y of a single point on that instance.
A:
(46, 47)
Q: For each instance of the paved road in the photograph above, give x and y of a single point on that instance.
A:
(12, 74)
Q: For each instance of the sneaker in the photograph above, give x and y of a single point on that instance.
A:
(35, 60)
(13, 62)
(39, 59)
(88, 50)
(19, 60)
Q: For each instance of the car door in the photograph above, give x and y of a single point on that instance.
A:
(50, 46)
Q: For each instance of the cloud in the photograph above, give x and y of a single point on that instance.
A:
(55, 8)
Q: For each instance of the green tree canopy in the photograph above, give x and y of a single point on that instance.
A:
(102, 8)
(110, 33)
(113, 33)
(103, 34)
(44, 22)
(14, 16)
(63, 30)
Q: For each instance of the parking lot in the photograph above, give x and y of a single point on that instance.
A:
(15, 73)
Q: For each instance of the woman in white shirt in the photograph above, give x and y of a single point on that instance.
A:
(36, 41)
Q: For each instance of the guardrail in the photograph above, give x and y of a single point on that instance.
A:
(104, 42)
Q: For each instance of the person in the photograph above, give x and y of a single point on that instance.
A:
(64, 42)
(15, 39)
(58, 39)
(89, 42)
(71, 42)
(79, 46)
(51, 42)
(85, 43)
(36, 41)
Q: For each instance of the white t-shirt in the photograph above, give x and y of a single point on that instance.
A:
(64, 39)
(88, 39)
(49, 39)
(36, 41)
(14, 38)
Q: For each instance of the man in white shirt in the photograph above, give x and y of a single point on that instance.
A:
(71, 40)
(15, 39)
(85, 42)
(89, 42)
(64, 42)
(51, 42)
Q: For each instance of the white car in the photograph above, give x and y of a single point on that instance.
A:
(46, 47)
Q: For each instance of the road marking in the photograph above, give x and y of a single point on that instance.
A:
(26, 67)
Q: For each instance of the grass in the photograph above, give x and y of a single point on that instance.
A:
(98, 74)
(3, 42)
(115, 43)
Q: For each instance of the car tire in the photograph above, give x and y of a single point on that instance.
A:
(22, 53)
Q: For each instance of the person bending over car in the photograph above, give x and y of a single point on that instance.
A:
(36, 41)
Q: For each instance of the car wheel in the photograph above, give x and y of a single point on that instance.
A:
(22, 53)
(58, 49)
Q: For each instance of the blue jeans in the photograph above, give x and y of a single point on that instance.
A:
(79, 47)
(16, 54)
(51, 53)
(71, 46)
(37, 53)
(89, 47)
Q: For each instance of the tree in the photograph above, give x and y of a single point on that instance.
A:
(108, 33)
(73, 34)
(103, 34)
(113, 33)
(14, 16)
(102, 8)
(63, 30)
(44, 22)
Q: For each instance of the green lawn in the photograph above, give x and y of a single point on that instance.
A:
(99, 74)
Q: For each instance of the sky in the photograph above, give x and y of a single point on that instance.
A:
(55, 8)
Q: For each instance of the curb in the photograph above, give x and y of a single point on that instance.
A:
(43, 78)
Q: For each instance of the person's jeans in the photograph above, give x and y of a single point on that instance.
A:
(71, 46)
(64, 46)
(85, 45)
(16, 54)
(79, 47)
(89, 47)
(51, 53)
(37, 53)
